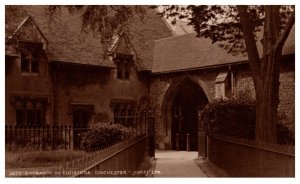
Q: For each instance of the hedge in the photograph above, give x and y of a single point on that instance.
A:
(235, 117)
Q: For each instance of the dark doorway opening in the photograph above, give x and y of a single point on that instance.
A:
(188, 99)
(81, 116)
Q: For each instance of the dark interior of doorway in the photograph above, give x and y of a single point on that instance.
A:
(188, 100)
(81, 118)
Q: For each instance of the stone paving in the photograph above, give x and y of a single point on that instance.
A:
(183, 164)
(177, 164)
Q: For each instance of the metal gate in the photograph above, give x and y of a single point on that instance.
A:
(144, 123)
(202, 141)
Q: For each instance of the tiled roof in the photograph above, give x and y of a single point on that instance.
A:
(68, 44)
(66, 41)
(145, 32)
(186, 52)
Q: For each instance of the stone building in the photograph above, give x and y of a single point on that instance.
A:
(189, 72)
(54, 74)
(57, 75)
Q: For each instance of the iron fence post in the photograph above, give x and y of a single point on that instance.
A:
(177, 141)
(187, 142)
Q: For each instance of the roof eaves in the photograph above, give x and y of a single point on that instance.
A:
(202, 67)
(82, 64)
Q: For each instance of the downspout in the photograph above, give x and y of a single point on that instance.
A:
(54, 77)
(231, 79)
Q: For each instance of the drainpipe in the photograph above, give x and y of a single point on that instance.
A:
(231, 78)
(54, 85)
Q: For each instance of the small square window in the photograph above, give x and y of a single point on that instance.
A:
(123, 66)
(30, 55)
(25, 63)
(123, 113)
(119, 70)
(39, 119)
(34, 66)
(30, 117)
(126, 70)
(19, 117)
(30, 114)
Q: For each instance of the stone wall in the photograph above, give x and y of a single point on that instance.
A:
(160, 84)
(83, 83)
(22, 84)
(286, 107)
(97, 87)
(206, 79)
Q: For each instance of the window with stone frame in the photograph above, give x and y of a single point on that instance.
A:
(30, 57)
(123, 63)
(124, 111)
(30, 113)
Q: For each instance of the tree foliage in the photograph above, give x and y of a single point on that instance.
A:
(11, 12)
(221, 23)
(236, 29)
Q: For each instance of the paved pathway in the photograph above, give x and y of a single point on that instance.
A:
(177, 164)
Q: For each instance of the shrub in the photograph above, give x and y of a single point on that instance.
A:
(236, 117)
(285, 133)
(229, 117)
(104, 134)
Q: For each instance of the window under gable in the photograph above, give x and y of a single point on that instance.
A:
(31, 56)
(124, 63)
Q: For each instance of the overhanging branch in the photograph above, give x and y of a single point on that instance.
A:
(283, 37)
(250, 42)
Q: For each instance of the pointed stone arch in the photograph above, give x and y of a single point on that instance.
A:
(181, 92)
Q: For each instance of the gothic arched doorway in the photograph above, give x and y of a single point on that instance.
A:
(183, 101)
